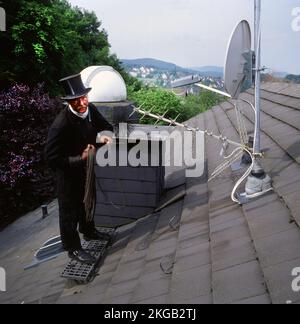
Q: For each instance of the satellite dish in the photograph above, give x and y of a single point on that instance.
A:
(238, 63)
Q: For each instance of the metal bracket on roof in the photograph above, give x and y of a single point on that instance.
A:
(246, 159)
(167, 264)
(237, 166)
(248, 70)
(45, 211)
(242, 198)
(256, 186)
(174, 223)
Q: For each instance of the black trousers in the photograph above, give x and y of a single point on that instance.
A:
(72, 216)
(69, 220)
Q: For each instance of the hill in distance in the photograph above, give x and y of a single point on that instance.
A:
(216, 71)
(171, 67)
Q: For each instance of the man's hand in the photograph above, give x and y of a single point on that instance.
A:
(106, 140)
(85, 153)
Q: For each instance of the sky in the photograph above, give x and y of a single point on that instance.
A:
(194, 33)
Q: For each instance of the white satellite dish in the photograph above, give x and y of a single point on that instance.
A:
(238, 63)
(107, 84)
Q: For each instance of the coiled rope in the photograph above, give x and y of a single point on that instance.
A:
(90, 188)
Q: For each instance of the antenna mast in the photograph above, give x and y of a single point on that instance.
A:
(258, 182)
(257, 48)
(238, 77)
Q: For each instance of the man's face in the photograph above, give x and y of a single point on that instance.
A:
(80, 105)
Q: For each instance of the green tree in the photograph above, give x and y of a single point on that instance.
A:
(159, 101)
(165, 102)
(196, 104)
(49, 39)
(293, 78)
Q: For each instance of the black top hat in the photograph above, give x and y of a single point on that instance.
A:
(74, 87)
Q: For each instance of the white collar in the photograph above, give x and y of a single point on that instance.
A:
(82, 116)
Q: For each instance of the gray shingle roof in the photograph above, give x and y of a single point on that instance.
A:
(212, 251)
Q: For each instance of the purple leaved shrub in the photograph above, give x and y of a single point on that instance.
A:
(25, 181)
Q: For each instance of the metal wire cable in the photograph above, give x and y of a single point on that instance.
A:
(237, 154)
(234, 156)
(221, 137)
(241, 124)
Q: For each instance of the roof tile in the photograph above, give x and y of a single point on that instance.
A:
(278, 248)
(202, 248)
(238, 283)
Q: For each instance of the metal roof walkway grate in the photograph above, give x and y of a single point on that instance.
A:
(84, 273)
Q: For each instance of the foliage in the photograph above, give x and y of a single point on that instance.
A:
(133, 86)
(293, 78)
(45, 41)
(25, 116)
(196, 104)
(50, 39)
(161, 101)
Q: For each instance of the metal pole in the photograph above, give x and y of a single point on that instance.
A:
(257, 41)
(222, 93)
(45, 211)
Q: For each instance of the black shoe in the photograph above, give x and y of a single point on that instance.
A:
(82, 256)
(97, 236)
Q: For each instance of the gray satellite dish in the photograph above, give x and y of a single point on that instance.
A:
(238, 63)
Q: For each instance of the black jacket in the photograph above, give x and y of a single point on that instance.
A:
(68, 137)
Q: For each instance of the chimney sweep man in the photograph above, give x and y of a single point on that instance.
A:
(70, 138)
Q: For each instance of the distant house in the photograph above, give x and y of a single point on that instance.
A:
(133, 74)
